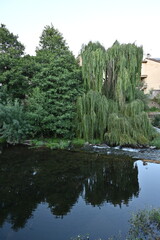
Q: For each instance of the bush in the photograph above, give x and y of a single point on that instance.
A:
(153, 109)
(156, 121)
(54, 143)
(156, 142)
(14, 126)
(62, 144)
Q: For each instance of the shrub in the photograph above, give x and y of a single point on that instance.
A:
(156, 121)
(155, 142)
(78, 142)
(54, 143)
(61, 144)
(14, 126)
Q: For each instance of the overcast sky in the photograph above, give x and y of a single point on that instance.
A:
(83, 20)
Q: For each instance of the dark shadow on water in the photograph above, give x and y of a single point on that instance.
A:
(29, 177)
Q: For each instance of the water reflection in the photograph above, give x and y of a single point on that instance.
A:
(113, 181)
(29, 177)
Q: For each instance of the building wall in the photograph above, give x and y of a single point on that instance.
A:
(150, 75)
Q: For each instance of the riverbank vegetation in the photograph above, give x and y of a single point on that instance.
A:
(50, 96)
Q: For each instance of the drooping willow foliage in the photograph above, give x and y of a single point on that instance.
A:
(93, 66)
(109, 109)
(129, 125)
(123, 71)
(92, 113)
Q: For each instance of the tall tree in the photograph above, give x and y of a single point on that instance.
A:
(93, 59)
(110, 109)
(11, 73)
(51, 39)
(9, 43)
(59, 78)
(92, 106)
(123, 71)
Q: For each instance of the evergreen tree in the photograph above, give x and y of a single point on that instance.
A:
(59, 78)
(9, 43)
(52, 40)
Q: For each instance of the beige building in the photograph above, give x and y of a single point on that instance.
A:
(150, 75)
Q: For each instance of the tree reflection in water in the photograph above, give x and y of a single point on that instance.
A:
(29, 177)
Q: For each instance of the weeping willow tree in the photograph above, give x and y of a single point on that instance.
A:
(92, 107)
(109, 109)
(129, 125)
(123, 71)
(93, 66)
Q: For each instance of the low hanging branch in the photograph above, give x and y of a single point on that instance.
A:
(109, 109)
(92, 109)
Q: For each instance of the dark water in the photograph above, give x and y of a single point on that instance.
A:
(57, 195)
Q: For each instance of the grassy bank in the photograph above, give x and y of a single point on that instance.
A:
(56, 143)
(156, 142)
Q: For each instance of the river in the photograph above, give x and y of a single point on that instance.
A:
(57, 195)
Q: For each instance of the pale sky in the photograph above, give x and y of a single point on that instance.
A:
(81, 21)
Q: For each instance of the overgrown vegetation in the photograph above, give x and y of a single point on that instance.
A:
(54, 97)
(14, 126)
(51, 143)
(45, 86)
(156, 142)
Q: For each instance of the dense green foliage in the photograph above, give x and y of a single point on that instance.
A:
(156, 142)
(9, 43)
(11, 69)
(93, 66)
(36, 108)
(46, 84)
(14, 126)
(51, 143)
(156, 121)
(110, 108)
(92, 114)
(59, 83)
